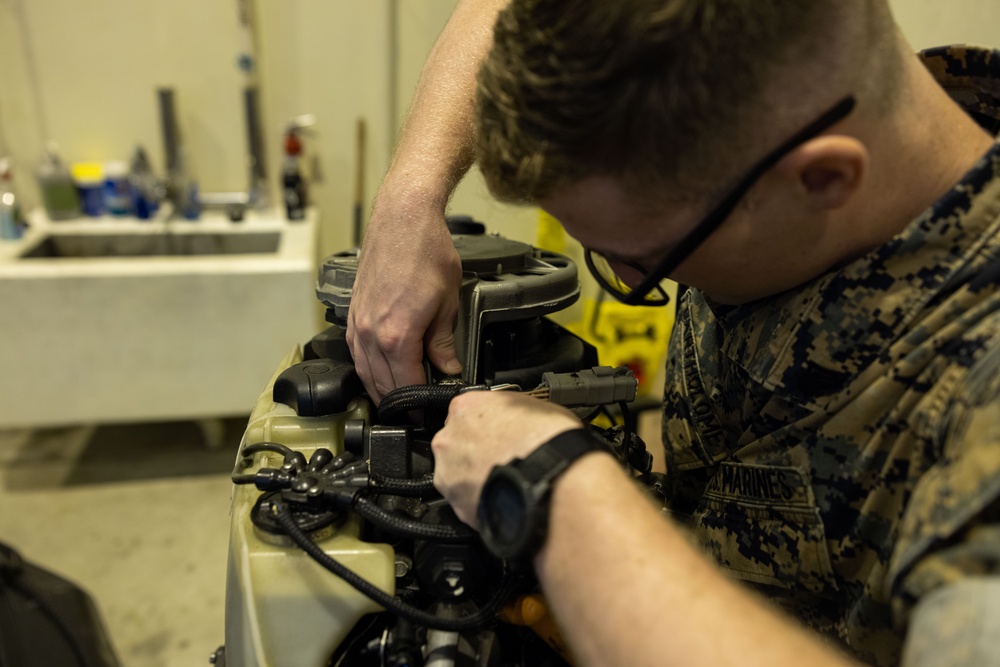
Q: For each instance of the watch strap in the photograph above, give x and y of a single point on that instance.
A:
(553, 457)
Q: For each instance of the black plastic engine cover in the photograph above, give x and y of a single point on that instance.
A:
(317, 387)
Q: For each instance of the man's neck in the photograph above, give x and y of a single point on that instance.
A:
(936, 144)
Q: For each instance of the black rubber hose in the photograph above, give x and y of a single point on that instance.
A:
(418, 487)
(242, 463)
(397, 403)
(628, 419)
(276, 447)
(486, 614)
(397, 525)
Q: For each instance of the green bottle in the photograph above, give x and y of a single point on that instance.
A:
(59, 196)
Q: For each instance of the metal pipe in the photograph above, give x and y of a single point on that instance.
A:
(255, 142)
(173, 154)
(171, 135)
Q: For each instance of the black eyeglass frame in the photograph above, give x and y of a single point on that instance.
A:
(717, 215)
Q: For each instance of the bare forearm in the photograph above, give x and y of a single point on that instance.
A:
(406, 293)
(436, 146)
(628, 589)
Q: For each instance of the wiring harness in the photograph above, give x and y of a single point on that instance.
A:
(303, 495)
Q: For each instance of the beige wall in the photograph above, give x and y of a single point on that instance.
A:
(329, 58)
(99, 62)
(97, 66)
(20, 131)
(420, 21)
(929, 23)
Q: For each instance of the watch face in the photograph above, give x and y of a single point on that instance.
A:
(506, 512)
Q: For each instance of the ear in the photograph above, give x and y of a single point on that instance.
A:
(827, 170)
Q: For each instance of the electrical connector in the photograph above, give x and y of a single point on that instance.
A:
(600, 385)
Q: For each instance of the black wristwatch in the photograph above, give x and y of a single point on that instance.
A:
(513, 511)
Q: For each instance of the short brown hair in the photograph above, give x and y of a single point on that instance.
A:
(660, 92)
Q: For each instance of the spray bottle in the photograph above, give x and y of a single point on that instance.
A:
(293, 185)
(11, 223)
(143, 186)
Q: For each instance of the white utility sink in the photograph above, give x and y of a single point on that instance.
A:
(63, 245)
(123, 320)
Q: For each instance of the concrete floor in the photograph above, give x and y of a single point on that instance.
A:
(138, 516)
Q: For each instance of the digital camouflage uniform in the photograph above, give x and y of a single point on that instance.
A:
(838, 445)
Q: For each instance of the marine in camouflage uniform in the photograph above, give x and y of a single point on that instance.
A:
(838, 446)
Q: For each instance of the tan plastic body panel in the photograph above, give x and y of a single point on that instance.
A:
(282, 608)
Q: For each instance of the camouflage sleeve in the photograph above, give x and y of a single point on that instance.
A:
(945, 568)
(956, 625)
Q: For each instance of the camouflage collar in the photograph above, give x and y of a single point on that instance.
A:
(971, 75)
(811, 344)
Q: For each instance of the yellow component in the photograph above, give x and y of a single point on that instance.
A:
(636, 336)
(531, 611)
(87, 172)
(551, 235)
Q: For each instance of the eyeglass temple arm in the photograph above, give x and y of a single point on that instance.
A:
(715, 218)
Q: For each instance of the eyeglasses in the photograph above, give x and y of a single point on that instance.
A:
(651, 291)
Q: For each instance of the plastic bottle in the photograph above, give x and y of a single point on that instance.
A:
(191, 201)
(117, 191)
(11, 224)
(145, 189)
(59, 196)
(89, 179)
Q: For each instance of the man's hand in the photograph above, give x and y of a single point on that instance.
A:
(485, 429)
(405, 298)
